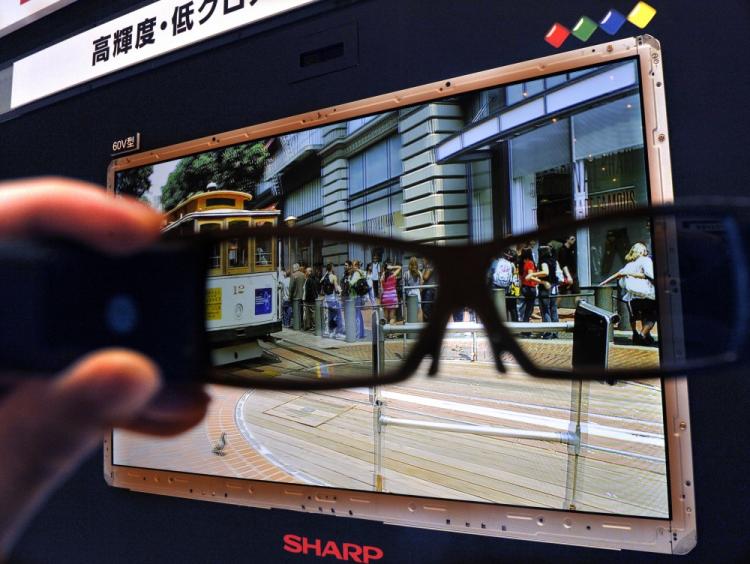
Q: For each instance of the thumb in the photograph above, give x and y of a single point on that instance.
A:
(48, 427)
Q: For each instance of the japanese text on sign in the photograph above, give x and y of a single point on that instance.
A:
(160, 27)
(183, 20)
(213, 304)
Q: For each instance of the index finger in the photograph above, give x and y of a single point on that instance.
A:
(76, 209)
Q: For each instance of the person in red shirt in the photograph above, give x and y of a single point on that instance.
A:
(529, 283)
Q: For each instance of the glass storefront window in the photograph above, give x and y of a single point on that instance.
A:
(615, 181)
(554, 195)
(540, 168)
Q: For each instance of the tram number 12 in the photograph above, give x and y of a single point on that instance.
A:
(238, 289)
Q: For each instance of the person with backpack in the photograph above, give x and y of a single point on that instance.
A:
(358, 289)
(345, 279)
(504, 275)
(548, 287)
(329, 285)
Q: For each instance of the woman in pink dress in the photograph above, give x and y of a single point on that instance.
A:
(389, 297)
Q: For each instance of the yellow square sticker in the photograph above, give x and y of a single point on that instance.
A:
(641, 14)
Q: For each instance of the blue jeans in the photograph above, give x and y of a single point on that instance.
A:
(527, 304)
(286, 313)
(335, 321)
(359, 302)
(548, 307)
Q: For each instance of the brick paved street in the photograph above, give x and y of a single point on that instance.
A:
(327, 438)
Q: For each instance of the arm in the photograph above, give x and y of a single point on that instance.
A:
(543, 276)
(615, 276)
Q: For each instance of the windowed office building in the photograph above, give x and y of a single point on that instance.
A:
(503, 161)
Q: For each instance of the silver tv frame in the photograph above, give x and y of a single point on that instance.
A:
(676, 535)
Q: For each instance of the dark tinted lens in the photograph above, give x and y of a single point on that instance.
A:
(300, 310)
(710, 286)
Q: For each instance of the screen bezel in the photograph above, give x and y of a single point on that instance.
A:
(675, 535)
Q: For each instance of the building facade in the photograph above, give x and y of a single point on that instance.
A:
(473, 167)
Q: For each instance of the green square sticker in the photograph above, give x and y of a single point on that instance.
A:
(584, 28)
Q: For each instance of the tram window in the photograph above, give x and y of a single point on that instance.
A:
(214, 260)
(237, 248)
(263, 250)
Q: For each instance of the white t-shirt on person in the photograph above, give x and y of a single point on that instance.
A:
(638, 288)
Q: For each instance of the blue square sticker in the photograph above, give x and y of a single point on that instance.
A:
(612, 22)
(263, 301)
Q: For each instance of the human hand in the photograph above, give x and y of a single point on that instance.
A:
(48, 426)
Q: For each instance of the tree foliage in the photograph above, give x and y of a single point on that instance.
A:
(134, 182)
(239, 167)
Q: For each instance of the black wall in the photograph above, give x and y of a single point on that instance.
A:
(400, 43)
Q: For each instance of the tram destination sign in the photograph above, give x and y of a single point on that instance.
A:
(153, 30)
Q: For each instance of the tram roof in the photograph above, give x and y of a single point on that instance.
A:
(213, 194)
(221, 213)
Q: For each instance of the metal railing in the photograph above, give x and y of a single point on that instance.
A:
(410, 306)
(572, 437)
(380, 421)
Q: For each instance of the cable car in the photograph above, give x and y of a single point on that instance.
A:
(242, 298)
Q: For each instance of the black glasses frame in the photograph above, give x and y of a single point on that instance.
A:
(466, 287)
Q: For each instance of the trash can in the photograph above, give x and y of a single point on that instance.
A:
(592, 335)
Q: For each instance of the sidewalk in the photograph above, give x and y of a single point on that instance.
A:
(458, 346)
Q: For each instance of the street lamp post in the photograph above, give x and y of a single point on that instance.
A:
(290, 221)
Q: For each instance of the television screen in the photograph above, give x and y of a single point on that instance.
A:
(499, 153)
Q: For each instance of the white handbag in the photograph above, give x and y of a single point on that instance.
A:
(641, 288)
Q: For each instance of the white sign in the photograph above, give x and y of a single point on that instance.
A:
(156, 29)
(15, 14)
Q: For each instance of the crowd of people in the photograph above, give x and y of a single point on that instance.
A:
(379, 284)
(532, 274)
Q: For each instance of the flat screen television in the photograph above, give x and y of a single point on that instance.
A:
(465, 159)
